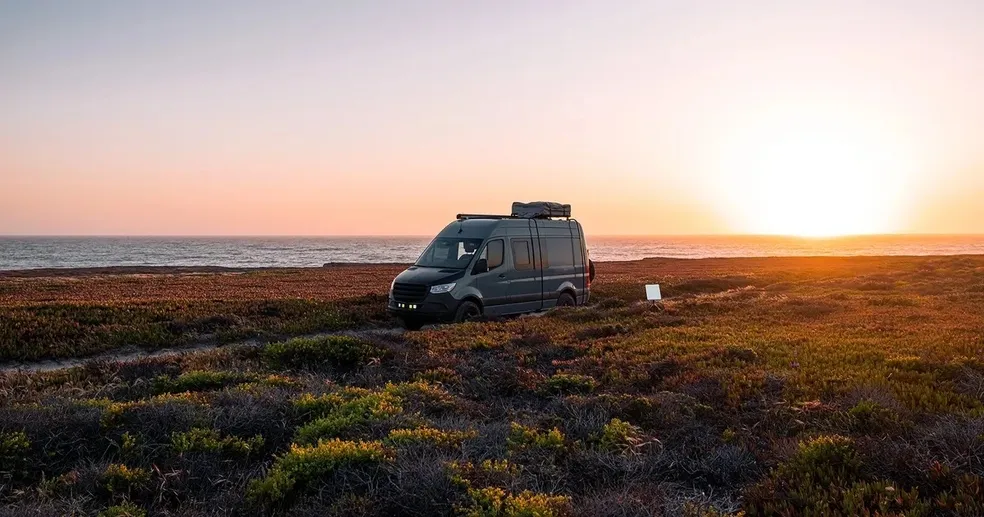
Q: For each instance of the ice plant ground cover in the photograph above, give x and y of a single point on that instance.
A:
(823, 386)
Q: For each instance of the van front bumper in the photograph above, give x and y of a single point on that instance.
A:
(435, 307)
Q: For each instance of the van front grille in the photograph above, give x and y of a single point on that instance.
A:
(409, 292)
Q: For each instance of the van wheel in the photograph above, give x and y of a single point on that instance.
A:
(412, 324)
(565, 300)
(467, 311)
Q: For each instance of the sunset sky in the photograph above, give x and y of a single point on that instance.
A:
(385, 118)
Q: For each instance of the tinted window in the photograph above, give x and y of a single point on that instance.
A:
(521, 255)
(494, 253)
(560, 252)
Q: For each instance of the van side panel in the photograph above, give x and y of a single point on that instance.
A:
(558, 259)
(580, 262)
(540, 255)
(491, 287)
(523, 273)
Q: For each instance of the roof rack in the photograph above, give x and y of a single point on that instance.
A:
(485, 216)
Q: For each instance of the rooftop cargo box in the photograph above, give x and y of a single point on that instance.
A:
(540, 209)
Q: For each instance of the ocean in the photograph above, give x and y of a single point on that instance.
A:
(83, 252)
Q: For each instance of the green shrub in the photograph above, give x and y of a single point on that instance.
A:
(466, 474)
(956, 493)
(867, 416)
(342, 415)
(14, 449)
(125, 509)
(295, 469)
(496, 502)
(824, 477)
(440, 374)
(569, 383)
(729, 436)
(825, 460)
(337, 351)
(114, 412)
(621, 436)
(351, 409)
(209, 440)
(199, 380)
(522, 437)
(429, 435)
(314, 406)
(120, 479)
(422, 394)
(883, 498)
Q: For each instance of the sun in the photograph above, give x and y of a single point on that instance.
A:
(813, 175)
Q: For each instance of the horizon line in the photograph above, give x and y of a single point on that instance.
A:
(413, 236)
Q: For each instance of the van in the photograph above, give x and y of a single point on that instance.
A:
(496, 265)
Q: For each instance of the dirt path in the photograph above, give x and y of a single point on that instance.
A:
(133, 353)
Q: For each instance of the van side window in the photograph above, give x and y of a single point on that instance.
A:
(493, 253)
(521, 255)
(560, 251)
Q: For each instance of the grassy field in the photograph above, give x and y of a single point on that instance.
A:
(806, 386)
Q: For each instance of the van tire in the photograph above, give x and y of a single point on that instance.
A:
(467, 311)
(412, 324)
(565, 300)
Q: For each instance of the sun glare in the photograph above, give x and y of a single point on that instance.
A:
(813, 176)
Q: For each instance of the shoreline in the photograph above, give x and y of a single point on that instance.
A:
(49, 272)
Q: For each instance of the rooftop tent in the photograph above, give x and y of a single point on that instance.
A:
(540, 209)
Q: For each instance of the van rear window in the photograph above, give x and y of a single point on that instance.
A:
(521, 255)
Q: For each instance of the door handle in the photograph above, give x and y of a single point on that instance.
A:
(502, 275)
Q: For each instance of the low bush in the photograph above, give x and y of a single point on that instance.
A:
(337, 351)
(118, 479)
(428, 436)
(126, 509)
(602, 332)
(522, 438)
(621, 436)
(341, 416)
(883, 498)
(200, 380)
(440, 374)
(14, 448)
(295, 469)
(466, 474)
(153, 416)
(869, 416)
(496, 502)
(825, 477)
(209, 440)
(569, 383)
(423, 395)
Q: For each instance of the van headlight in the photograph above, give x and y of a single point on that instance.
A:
(443, 288)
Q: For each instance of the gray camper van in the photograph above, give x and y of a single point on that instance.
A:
(496, 265)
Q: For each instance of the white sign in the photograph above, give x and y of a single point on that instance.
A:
(652, 292)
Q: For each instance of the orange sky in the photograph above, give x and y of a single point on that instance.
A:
(388, 118)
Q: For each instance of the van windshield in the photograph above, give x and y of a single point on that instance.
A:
(448, 252)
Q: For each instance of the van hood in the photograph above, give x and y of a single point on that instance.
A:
(429, 275)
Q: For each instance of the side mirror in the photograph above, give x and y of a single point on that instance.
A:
(482, 266)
